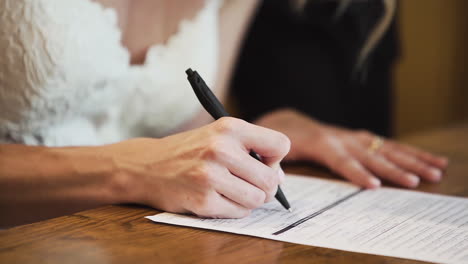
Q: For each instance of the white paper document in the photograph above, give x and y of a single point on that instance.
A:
(339, 215)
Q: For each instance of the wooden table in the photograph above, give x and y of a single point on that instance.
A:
(120, 234)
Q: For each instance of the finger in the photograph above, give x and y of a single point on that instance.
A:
(217, 206)
(434, 160)
(366, 138)
(350, 168)
(383, 168)
(239, 191)
(414, 165)
(271, 145)
(230, 209)
(242, 165)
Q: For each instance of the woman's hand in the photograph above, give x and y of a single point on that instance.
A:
(207, 171)
(355, 155)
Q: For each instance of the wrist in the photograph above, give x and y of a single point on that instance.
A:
(99, 172)
(120, 174)
(302, 130)
(132, 170)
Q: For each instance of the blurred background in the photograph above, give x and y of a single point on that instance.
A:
(427, 87)
(431, 78)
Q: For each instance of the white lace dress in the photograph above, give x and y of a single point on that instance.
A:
(65, 78)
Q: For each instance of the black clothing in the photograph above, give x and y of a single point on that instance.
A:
(306, 61)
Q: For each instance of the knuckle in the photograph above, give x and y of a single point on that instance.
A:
(270, 182)
(382, 164)
(245, 213)
(327, 140)
(201, 175)
(388, 163)
(426, 156)
(257, 199)
(216, 148)
(425, 170)
(273, 181)
(390, 146)
(227, 124)
(203, 207)
(389, 149)
(396, 173)
(418, 166)
(342, 162)
(363, 134)
(373, 160)
(284, 143)
(272, 193)
(322, 136)
(269, 199)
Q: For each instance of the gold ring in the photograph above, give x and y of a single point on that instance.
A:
(375, 145)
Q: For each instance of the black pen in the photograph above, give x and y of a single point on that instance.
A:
(216, 110)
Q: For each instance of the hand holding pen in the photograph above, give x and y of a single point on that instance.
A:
(217, 111)
(206, 171)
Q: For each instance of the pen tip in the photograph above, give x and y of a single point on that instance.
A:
(290, 210)
(189, 72)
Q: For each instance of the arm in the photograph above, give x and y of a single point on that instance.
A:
(189, 172)
(348, 153)
(40, 182)
(186, 173)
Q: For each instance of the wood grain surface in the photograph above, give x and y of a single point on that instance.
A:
(120, 234)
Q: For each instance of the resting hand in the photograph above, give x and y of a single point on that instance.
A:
(207, 171)
(349, 153)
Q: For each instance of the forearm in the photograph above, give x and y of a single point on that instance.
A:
(41, 182)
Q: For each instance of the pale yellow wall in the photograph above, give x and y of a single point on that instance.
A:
(432, 77)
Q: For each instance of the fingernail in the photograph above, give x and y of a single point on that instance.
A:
(413, 179)
(436, 174)
(375, 183)
(281, 174)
